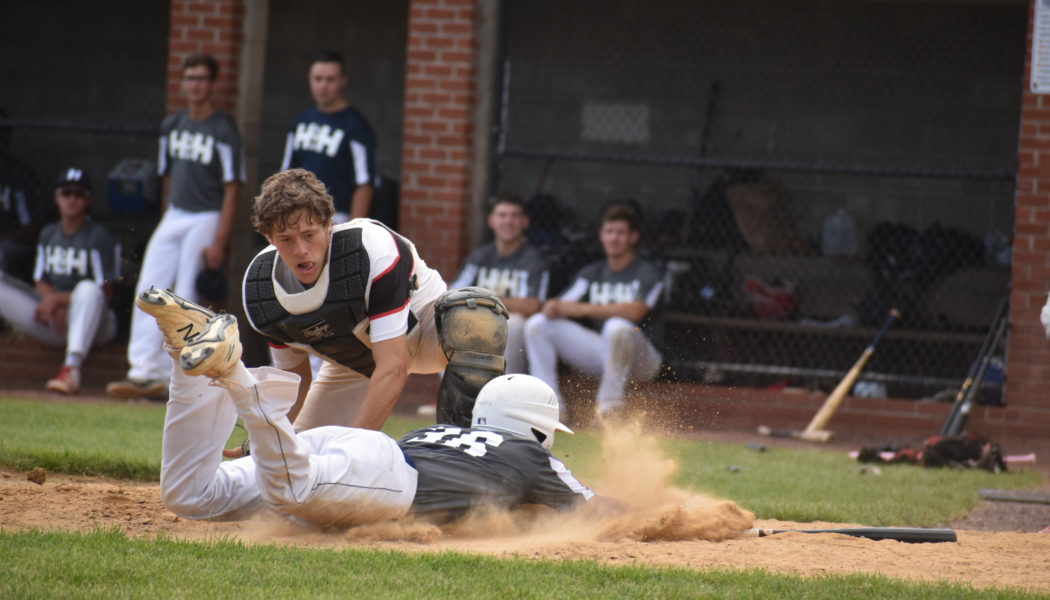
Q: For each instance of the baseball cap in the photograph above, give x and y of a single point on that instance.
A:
(74, 176)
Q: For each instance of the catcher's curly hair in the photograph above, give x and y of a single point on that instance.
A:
(289, 196)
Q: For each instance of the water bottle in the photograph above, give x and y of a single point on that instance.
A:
(839, 237)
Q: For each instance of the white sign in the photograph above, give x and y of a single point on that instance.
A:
(1040, 76)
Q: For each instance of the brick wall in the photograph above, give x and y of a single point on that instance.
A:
(28, 364)
(215, 28)
(1028, 353)
(437, 154)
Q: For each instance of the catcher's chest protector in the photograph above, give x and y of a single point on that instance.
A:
(329, 330)
(472, 329)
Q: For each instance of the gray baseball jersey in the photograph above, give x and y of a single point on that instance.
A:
(64, 260)
(200, 157)
(641, 280)
(464, 468)
(522, 274)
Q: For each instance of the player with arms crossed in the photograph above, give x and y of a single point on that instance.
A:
(359, 296)
(338, 476)
(618, 298)
(334, 141)
(513, 269)
(77, 262)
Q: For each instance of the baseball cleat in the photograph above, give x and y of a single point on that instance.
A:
(215, 352)
(178, 319)
(133, 389)
(66, 382)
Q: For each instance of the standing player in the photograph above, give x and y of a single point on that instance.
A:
(77, 262)
(513, 269)
(618, 299)
(359, 296)
(334, 141)
(339, 476)
(201, 160)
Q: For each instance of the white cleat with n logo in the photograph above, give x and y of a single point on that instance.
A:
(216, 352)
(178, 319)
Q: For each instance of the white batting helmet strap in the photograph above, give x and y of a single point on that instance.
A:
(520, 404)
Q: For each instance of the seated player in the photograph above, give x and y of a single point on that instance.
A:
(513, 269)
(607, 323)
(77, 263)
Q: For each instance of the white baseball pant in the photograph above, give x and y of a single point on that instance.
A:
(90, 321)
(618, 353)
(172, 260)
(327, 477)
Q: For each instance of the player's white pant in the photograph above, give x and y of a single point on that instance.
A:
(90, 320)
(515, 353)
(620, 352)
(173, 258)
(336, 394)
(329, 476)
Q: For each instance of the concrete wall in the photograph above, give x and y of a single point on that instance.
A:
(918, 85)
(99, 65)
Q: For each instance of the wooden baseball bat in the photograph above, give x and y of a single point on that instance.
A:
(815, 432)
(913, 535)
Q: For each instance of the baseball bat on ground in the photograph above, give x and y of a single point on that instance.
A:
(815, 432)
(913, 535)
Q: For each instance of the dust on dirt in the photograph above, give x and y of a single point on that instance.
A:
(668, 527)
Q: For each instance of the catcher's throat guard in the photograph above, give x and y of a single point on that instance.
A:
(472, 329)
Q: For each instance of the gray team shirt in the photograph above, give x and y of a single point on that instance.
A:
(200, 157)
(64, 260)
(462, 468)
(641, 280)
(522, 274)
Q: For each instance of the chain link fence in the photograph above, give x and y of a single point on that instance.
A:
(86, 89)
(802, 167)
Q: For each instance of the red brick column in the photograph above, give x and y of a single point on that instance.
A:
(440, 99)
(1028, 354)
(212, 27)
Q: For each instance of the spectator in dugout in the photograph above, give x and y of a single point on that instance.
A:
(77, 263)
(607, 323)
(512, 268)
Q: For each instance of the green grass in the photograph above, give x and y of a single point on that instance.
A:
(811, 485)
(109, 565)
(123, 441)
(114, 440)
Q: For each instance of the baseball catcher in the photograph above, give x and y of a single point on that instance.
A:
(359, 296)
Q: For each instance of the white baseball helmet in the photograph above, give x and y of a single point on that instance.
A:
(520, 404)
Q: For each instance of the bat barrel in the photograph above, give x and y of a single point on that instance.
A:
(912, 535)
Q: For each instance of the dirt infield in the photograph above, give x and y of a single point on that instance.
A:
(979, 558)
(998, 544)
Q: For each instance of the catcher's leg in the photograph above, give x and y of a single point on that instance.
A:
(472, 328)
